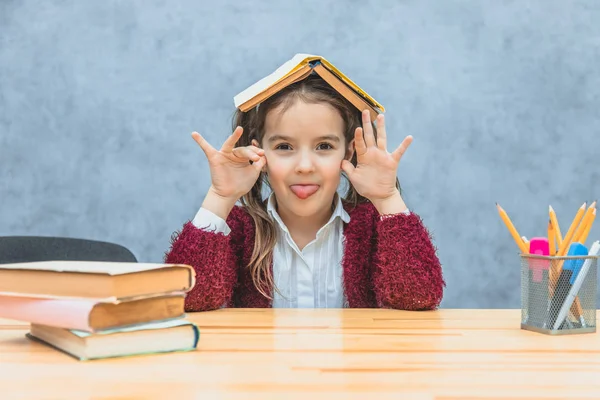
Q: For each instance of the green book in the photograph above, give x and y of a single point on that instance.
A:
(149, 338)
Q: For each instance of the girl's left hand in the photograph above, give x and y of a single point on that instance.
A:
(374, 176)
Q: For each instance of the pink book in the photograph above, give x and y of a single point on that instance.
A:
(92, 315)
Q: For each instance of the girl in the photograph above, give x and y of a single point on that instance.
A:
(304, 245)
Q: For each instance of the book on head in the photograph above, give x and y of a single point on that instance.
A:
(299, 67)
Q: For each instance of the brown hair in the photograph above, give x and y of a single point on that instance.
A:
(312, 89)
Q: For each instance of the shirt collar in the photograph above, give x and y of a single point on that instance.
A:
(339, 211)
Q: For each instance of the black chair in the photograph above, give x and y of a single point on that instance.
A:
(14, 249)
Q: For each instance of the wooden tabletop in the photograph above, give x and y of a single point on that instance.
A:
(310, 354)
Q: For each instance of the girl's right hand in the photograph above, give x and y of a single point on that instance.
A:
(232, 174)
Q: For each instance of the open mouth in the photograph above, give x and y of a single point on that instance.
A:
(304, 191)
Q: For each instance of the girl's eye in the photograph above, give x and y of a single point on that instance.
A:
(324, 146)
(282, 146)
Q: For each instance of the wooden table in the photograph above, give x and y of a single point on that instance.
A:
(310, 354)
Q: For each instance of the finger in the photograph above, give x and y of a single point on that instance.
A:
(368, 129)
(399, 152)
(348, 168)
(232, 140)
(359, 142)
(259, 165)
(245, 153)
(257, 150)
(204, 145)
(381, 134)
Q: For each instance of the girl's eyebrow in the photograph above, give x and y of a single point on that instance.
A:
(331, 138)
(276, 138)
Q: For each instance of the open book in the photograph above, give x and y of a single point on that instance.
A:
(298, 68)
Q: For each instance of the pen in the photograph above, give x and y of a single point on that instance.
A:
(568, 274)
(576, 285)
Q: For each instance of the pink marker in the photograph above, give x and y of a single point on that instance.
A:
(539, 246)
(539, 270)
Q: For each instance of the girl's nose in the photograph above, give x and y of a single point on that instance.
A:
(305, 163)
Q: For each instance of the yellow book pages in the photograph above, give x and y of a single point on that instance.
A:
(350, 83)
(288, 68)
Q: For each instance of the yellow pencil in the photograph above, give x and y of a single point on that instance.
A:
(553, 263)
(557, 266)
(512, 230)
(554, 221)
(551, 238)
(569, 236)
(587, 217)
(586, 232)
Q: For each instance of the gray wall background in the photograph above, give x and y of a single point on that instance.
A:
(98, 100)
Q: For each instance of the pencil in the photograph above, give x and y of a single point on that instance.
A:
(587, 218)
(586, 232)
(567, 239)
(551, 238)
(554, 266)
(562, 250)
(512, 230)
(554, 221)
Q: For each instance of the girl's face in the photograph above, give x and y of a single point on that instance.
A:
(304, 147)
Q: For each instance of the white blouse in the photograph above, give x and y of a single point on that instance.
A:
(307, 278)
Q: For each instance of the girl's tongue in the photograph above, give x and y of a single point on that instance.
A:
(304, 191)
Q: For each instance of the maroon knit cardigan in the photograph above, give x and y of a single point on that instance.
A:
(388, 262)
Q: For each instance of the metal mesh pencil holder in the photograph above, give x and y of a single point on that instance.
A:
(558, 294)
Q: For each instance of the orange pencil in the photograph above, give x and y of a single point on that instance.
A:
(512, 230)
(554, 221)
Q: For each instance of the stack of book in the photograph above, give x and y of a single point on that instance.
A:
(95, 310)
